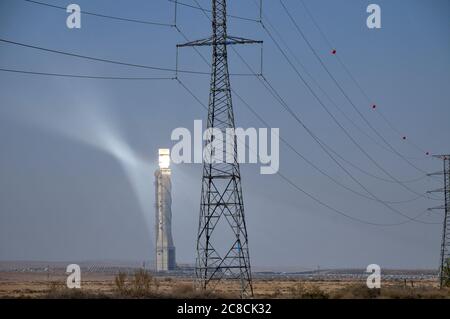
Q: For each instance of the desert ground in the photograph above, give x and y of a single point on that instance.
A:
(144, 285)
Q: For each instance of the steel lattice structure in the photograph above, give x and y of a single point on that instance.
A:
(222, 218)
(444, 265)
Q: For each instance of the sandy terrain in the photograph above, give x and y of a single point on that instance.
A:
(37, 285)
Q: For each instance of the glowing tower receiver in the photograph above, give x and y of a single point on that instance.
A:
(164, 159)
(165, 250)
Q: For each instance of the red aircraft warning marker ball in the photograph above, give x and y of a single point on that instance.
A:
(374, 106)
(333, 52)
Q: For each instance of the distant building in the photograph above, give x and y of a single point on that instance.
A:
(165, 250)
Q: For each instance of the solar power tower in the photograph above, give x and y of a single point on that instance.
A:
(222, 241)
(165, 249)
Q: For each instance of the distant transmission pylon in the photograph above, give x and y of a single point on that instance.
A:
(444, 266)
(222, 241)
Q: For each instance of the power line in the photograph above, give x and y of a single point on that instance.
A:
(323, 145)
(337, 154)
(127, 64)
(359, 86)
(111, 61)
(344, 93)
(99, 59)
(83, 76)
(314, 198)
(278, 173)
(357, 126)
(332, 116)
(396, 181)
(191, 93)
(323, 91)
(142, 22)
(286, 142)
(148, 22)
(348, 216)
(284, 104)
(319, 142)
(309, 162)
(161, 24)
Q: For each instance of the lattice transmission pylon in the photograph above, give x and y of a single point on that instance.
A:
(222, 241)
(444, 265)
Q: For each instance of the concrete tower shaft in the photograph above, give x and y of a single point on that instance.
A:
(165, 249)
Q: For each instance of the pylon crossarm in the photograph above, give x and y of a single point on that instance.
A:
(439, 190)
(442, 207)
(436, 173)
(196, 43)
(442, 156)
(239, 40)
(229, 40)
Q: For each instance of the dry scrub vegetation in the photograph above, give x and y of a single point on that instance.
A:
(360, 291)
(142, 284)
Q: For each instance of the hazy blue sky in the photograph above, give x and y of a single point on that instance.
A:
(77, 156)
